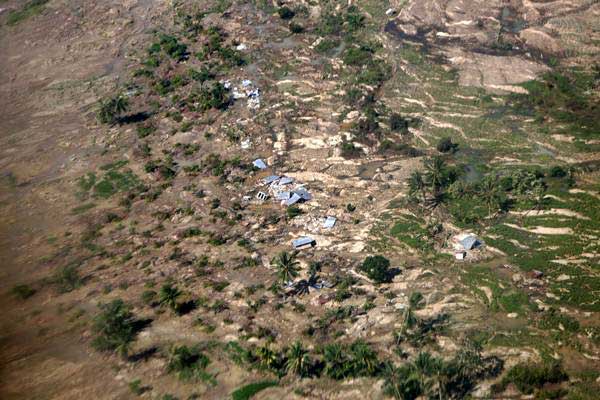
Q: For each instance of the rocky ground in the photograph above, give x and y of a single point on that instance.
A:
(92, 212)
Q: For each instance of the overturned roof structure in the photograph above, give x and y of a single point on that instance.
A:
(304, 242)
(259, 163)
(470, 242)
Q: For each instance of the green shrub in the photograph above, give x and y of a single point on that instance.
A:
(357, 56)
(398, 123)
(23, 291)
(293, 211)
(189, 363)
(173, 47)
(557, 172)
(528, 377)
(445, 145)
(212, 96)
(149, 296)
(296, 28)
(286, 13)
(350, 150)
(115, 327)
(30, 9)
(376, 268)
(330, 24)
(248, 391)
(144, 130)
(327, 44)
(67, 278)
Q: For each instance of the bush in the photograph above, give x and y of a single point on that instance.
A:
(398, 124)
(327, 44)
(528, 377)
(144, 130)
(213, 95)
(189, 363)
(349, 150)
(175, 49)
(296, 28)
(376, 268)
(445, 145)
(357, 56)
(330, 24)
(23, 291)
(293, 211)
(67, 278)
(557, 172)
(286, 13)
(248, 391)
(115, 327)
(33, 7)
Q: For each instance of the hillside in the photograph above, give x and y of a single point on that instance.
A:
(160, 158)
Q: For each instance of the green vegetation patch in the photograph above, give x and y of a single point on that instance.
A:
(504, 297)
(408, 230)
(246, 392)
(565, 97)
(31, 8)
(113, 179)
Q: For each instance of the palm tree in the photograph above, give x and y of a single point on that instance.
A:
(286, 265)
(490, 193)
(267, 357)
(401, 383)
(337, 365)
(408, 322)
(110, 110)
(436, 173)
(364, 359)
(167, 296)
(443, 374)
(416, 184)
(425, 365)
(298, 361)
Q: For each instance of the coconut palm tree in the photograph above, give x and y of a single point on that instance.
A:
(490, 193)
(416, 184)
(337, 365)
(267, 358)
(436, 173)
(168, 295)
(401, 383)
(286, 265)
(442, 376)
(425, 365)
(364, 359)
(111, 109)
(298, 361)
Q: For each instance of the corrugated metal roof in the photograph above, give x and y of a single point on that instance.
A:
(303, 241)
(260, 164)
(285, 180)
(293, 200)
(283, 195)
(270, 179)
(470, 242)
(303, 193)
(329, 222)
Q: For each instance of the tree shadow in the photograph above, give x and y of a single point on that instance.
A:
(141, 324)
(186, 307)
(143, 355)
(134, 118)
